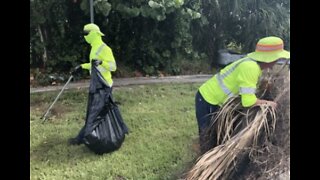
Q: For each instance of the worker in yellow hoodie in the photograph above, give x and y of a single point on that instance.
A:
(101, 54)
(240, 77)
(102, 57)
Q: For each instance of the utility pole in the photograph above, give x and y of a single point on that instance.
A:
(91, 12)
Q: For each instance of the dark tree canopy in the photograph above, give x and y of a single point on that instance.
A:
(152, 36)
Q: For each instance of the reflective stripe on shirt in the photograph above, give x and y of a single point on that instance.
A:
(112, 66)
(99, 50)
(220, 77)
(223, 87)
(100, 68)
(247, 90)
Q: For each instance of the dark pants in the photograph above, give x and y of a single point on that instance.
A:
(91, 108)
(204, 112)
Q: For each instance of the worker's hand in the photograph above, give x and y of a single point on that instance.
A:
(96, 62)
(265, 102)
(77, 70)
(272, 104)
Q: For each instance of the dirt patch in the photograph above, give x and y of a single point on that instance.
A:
(58, 110)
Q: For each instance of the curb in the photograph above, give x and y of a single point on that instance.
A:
(118, 82)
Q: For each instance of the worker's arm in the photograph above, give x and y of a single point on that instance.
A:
(248, 100)
(248, 79)
(107, 58)
(248, 76)
(86, 66)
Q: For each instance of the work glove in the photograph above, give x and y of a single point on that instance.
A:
(77, 70)
(96, 62)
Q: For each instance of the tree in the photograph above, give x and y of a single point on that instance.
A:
(153, 35)
(55, 34)
(241, 22)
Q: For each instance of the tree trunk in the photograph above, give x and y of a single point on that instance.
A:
(213, 30)
(44, 55)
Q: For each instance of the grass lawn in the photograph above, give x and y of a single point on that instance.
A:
(160, 145)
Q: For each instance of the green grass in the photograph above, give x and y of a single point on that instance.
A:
(162, 125)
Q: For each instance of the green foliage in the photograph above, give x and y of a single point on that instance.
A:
(55, 28)
(262, 18)
(154, 35)
(102, 7)
(152, 48)
(43, 79)
(234, 47)
(240, 22)
(159, 144)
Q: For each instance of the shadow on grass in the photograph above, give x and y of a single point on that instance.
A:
(55, 149)
(187, 166)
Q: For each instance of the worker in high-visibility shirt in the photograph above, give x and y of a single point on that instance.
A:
(240, 77)
(101, 54)
(102, 57)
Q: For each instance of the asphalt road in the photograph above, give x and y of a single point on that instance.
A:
(117, 82)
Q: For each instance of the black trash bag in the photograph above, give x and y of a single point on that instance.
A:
(105, 129)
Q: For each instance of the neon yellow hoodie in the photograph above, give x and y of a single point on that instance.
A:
(100, 51)
(239, 78)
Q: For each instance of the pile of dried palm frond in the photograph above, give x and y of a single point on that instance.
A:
(249, 143)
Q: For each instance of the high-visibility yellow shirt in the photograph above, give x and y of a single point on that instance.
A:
(238, 79)
(101, 51)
